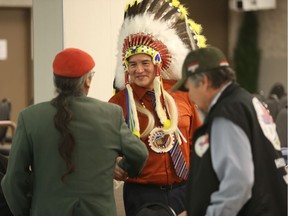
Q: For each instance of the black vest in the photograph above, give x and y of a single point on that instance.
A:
(269, 192)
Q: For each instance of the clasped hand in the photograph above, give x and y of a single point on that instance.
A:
(119, 173)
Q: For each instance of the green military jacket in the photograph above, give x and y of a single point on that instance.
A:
(32, 184)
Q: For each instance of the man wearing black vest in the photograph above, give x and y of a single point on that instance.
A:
(236, 163)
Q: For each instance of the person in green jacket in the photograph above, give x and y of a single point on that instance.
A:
(64, 150)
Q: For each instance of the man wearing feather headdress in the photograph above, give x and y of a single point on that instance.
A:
(153, 41)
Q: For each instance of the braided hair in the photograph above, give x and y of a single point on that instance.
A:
(67, 88)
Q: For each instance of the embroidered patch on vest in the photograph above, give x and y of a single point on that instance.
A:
(202, 145)
(280, 162)
(267, 124)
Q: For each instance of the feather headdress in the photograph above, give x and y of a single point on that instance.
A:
(162, 30)
(162, 25)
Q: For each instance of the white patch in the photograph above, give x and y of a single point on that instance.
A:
(224, 63)
(267, 124)
(202, 145)
(192, 67)
(280, 162)
(286, 178)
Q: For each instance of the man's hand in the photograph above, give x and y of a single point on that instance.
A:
(119, 173)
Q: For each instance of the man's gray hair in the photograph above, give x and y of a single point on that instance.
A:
(217, 76)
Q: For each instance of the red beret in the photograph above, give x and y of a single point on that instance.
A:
(72, 62)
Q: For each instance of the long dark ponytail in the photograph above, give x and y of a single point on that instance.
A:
(67, 88)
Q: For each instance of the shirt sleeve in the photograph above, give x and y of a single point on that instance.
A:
(232, 161)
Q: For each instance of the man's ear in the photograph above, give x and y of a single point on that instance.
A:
(87, 82)
(205, 81)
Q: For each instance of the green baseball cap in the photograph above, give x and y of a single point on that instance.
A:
(198, 61)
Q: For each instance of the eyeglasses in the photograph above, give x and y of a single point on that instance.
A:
(92, 73)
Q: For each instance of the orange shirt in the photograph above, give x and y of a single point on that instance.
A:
(159, 167)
